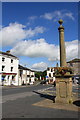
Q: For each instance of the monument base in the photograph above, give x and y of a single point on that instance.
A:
(64, 89)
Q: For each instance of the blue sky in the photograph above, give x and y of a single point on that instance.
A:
(31, 31)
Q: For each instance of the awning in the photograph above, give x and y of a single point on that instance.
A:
(8, 73)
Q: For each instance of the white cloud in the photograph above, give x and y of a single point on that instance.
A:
(47, 16)
(16, 32)
(40, 48)
(12, 33)
(72, 49)
(31, 20)
(40, 66)
(32, 17)
(70, 15)
(36, 48)
(56, 15)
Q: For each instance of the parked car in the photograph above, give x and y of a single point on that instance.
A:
(54, 83)
(43, 81)
(31, 83)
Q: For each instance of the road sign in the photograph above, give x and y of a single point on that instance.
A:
(46, 76)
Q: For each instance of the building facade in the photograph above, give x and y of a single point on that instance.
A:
(75, 65)
(26, 76)
(8, 69)
(50, 74)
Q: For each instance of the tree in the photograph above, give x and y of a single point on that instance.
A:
(41, 74)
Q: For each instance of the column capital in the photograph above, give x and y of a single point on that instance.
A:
(61, 28)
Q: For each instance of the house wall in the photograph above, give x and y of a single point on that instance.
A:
(76, 67)
(7, 63)
(27, 77)
(50, 75)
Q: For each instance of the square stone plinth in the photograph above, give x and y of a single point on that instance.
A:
(63, 89)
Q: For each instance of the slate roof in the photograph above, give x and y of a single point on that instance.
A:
(24, 68)
(74, 60)
(8, 54)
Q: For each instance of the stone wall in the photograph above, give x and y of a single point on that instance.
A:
(76, 67)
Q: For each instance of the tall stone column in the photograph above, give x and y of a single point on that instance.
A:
(63, 76)
(62, 45)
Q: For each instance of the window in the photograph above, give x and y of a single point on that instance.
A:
(71, 64)
(32, 75)
(30, 80)
(3, 77)
(51, 70)
(49, 74)
(28, 75)
(11, 69)
(13, 78)
(11, 60)
(8, 76)
(48, 68)
(21, 72)
(3, 67)
(3, 59)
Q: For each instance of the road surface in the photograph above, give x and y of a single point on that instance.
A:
(19, 103)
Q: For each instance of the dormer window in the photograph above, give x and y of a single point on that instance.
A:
(3, 59)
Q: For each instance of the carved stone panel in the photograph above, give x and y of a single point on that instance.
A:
(62, 89)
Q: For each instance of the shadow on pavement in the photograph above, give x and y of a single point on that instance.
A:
(77, 103)
(50, 97)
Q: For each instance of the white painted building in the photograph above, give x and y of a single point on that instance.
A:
(8, 69)
(26, 76)
(50, 74)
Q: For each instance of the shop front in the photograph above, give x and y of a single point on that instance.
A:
(7, 79)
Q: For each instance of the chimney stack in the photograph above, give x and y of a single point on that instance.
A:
(8, 51)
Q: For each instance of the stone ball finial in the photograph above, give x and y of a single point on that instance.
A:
(60, 21)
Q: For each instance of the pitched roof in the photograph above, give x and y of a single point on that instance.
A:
(8, 54)
(25, 68)
(74, 60)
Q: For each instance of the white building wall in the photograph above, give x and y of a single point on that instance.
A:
(28, 72)
(0, 68)
(7, 63)
(51, 73)
(0, 80)
(27, 76)
(24, 71)
(28, 80)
